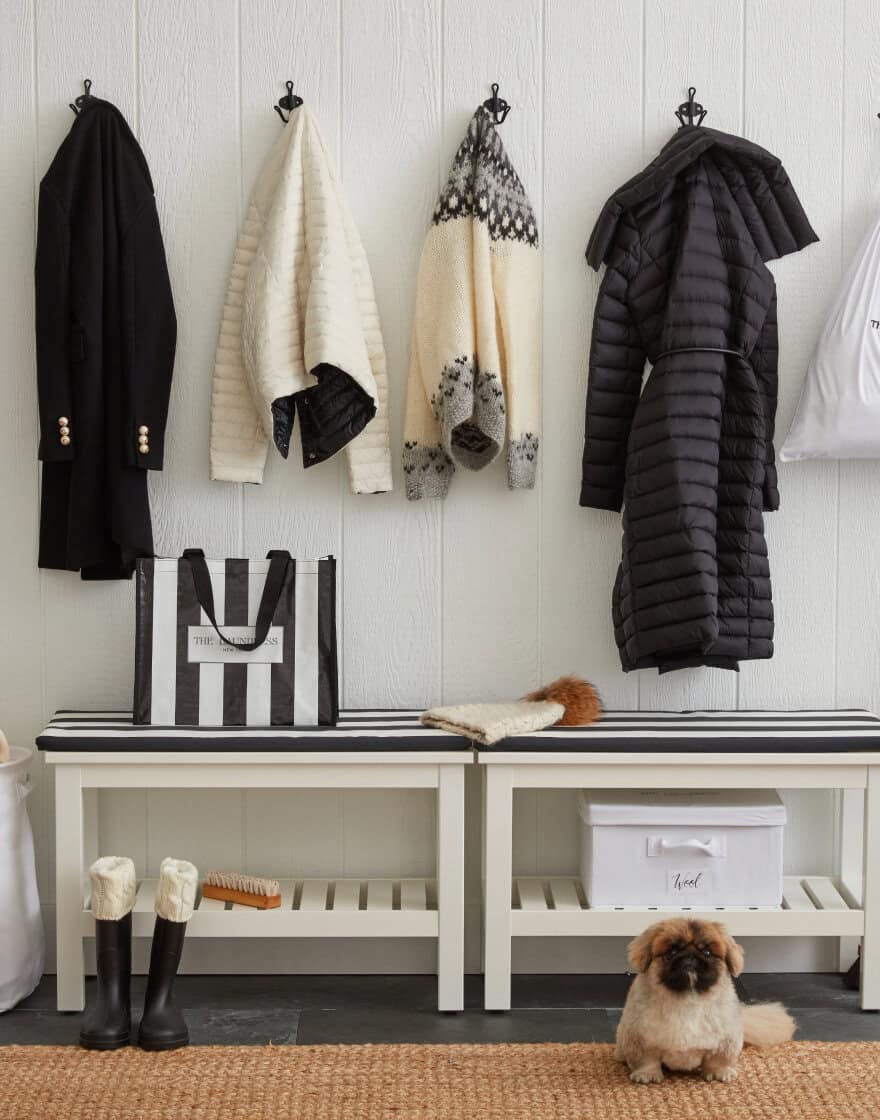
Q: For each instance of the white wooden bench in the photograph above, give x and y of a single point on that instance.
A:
(92, 751)
(674, 750)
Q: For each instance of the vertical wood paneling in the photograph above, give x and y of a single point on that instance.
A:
(858, 515)
(590, 146)
(492, 591)
(389, 829)
(794, 59)
(189, 133)
(704, 50)
(294, 833)
(21, 670)
(592, 142)
(391, 58)
(491, 535)
(793, 107)
(858, 575)
(203, 826)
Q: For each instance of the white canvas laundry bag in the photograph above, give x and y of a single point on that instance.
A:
(838, 415)
(22, 942)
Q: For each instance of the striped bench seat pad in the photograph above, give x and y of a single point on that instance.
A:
(369, 730)
(715, 732)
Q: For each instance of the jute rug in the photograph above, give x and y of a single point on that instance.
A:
(807, 1080)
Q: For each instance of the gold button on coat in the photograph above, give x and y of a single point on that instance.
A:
(64, 431)
(65, 440)
(144, 450)
(63, 421)
(143, 430)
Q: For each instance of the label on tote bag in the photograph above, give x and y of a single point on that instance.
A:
(205, 646)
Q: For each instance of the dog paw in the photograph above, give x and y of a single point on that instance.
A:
(725, 1073)
(650, 1076)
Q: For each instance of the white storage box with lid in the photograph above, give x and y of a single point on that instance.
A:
(682, 848)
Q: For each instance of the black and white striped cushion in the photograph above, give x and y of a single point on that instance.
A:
(715, 732)
(392, 729)
(372, 730)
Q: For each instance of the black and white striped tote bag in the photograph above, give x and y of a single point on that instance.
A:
(227, 643)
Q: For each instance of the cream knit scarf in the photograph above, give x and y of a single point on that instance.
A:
(475, 370)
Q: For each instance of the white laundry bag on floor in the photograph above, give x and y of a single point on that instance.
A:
(22, 942)
(838, 415)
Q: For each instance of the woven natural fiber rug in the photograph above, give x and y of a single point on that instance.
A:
(807, 1080)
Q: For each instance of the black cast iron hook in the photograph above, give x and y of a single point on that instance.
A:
(84, 98)
(497, 106)
(290, 101)
(691, 109)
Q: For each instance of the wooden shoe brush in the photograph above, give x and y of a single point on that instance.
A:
(244, 890)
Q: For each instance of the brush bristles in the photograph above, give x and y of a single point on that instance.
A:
(248, 884)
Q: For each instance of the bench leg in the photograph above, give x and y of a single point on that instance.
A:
(450, 889)
(870, 970)
(849, 869)
(69, 840)
(497, 880)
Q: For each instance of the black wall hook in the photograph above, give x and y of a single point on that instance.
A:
(690, 109)
(83, 98)
(497, 106)
(290, 101)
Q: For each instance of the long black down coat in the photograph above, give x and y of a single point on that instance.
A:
(106, 335)
(690, 457)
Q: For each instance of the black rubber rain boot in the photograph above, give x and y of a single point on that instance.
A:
(163, 1026)
(108, 1024)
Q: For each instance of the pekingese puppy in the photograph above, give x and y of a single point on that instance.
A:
(682, 1011)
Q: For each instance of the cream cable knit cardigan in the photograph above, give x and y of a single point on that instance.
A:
(299, 297)
(475, 368)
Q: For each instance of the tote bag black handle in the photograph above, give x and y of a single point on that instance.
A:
(279, 559)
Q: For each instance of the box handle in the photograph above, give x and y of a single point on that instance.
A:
(715, 847)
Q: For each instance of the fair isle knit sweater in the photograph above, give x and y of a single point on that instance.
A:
(475, 373)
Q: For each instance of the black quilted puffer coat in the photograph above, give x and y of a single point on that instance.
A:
(690, 456)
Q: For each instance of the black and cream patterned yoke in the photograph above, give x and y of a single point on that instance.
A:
(474, 380)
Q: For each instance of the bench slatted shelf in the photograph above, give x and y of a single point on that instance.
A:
(309, 908)
(683, 750)
(538, 915)
(376, 749)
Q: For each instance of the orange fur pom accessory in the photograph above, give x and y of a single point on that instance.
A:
(578, 697)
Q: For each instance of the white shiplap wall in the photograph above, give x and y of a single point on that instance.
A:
(493, 592)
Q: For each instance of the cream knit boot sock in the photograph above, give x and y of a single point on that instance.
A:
(113, 887)
(176, 891)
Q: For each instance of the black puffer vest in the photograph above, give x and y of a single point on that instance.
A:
(691, 456)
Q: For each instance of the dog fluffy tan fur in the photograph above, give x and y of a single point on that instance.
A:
(682, 1011)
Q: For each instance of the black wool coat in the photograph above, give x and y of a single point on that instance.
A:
(690, 456)
(106, 334)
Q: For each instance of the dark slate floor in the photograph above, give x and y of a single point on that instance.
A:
(255, 1010)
